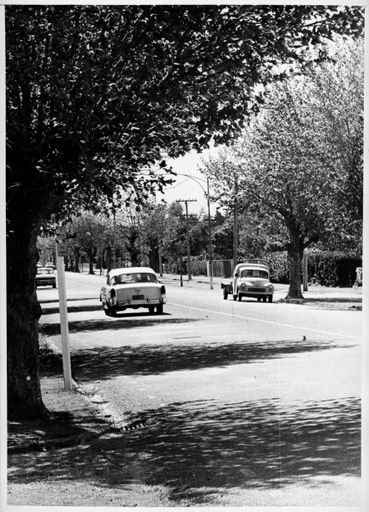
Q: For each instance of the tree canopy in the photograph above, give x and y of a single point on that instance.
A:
(96, 94)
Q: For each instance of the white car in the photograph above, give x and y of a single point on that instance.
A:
(250, 279)
(132, 287)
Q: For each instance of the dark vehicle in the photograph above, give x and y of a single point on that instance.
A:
(45, 277)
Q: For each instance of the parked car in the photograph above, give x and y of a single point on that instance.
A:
(45, 277)
(132, 287)
(250, 279)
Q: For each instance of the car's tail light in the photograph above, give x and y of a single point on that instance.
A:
(113, 296)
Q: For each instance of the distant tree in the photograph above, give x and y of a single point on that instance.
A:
(90, 234)
(175, 236)
(45, 248)
(152, 232)
(96, 95)
(199, 235)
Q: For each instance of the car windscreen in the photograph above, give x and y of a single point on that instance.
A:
(136, 277)
(263, 274)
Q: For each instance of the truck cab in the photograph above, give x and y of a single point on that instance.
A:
(250, 279)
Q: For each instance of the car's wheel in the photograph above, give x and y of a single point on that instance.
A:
(151, 309)
(234, 297)
(239, 297)
(54, 285)
(107, 312)
(259, 299)
(112, 310)
(225, 294)
(270, 298)
(264, 299)
(159, 309)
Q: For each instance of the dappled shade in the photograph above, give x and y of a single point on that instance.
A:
(106, 362)
(203, 447)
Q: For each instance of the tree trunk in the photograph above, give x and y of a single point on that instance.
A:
(76, 260)
(91, 262)
(154, 259)
(295, 253)
(23, 312)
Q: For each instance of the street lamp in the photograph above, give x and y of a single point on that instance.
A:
(207, 195)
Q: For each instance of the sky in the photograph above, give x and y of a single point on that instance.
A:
(188, 188)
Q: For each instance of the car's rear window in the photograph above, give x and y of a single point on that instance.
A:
(142, 277)
(45, 271)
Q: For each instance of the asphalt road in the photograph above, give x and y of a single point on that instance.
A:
(242, 403)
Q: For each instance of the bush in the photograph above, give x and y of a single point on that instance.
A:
(278, 265)
(199, 268)
(333, 268)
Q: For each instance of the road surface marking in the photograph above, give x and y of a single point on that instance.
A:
(232, 315)
(187, 337)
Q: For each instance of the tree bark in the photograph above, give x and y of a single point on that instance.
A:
(154, 259)
(76, 260)
(91, 263)
(23, 312)
(295, 253)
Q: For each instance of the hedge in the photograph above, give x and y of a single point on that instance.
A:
(333, 268)
(328, 268)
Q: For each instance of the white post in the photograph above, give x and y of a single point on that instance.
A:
(67, 372)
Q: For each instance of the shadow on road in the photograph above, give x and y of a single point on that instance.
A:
(108, 362)
(127, 320)
(75, 299)
(72, 309)
(199, 449)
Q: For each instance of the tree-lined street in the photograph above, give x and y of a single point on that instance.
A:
(100, 97)
(213, 401)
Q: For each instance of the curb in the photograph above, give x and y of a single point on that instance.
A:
(115, 425)
(52, 444)
(321, 299)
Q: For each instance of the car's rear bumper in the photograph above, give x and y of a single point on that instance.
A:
(145, 303)
(129, 303)
(255, 295)
(45, 282)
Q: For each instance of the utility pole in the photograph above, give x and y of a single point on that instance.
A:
(207, 195)
(210, 246)
(113, 252)
(186, 201)
(235, 225)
